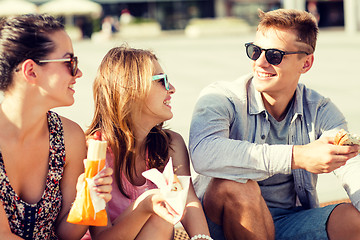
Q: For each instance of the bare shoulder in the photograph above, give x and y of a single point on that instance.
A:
(176, 139)
(179, 153)
(74, 137)
(71, 128)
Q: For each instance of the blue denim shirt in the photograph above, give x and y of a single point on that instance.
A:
(228, 132)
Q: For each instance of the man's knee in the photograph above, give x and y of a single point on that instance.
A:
(344, 222)
(237, 194)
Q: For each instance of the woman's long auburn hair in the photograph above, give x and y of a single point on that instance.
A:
(120, 88)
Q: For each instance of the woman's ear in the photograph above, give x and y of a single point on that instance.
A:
(309, 60)
(29, 70)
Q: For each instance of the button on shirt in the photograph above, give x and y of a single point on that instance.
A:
(228, 133)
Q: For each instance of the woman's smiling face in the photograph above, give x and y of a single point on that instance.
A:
(157, 104)
(56, 77)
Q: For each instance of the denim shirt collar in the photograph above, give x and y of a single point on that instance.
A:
(256, 104)
(298, 104)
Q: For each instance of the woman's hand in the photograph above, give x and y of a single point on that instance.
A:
(103, 183)
(153, 201)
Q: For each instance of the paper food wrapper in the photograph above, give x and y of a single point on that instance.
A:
(88, 208)
(175, 200)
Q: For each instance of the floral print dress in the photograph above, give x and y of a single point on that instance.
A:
(37, 221)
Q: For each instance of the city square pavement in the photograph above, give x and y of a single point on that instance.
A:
(193, 63)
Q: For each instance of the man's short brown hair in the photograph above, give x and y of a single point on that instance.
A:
(302, 22)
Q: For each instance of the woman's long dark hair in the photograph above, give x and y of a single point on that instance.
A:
(24, 37)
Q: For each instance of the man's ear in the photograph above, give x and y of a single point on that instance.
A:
(29, 70)
(309, 60)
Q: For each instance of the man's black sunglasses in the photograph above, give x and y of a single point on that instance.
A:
(273, 56)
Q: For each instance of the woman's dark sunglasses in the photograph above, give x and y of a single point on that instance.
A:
(273, 56)
(164, 79)
(72, 60)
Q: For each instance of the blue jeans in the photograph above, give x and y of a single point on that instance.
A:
(291, 224)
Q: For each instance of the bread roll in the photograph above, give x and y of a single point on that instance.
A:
(96, 150)
(345, 138)
(176, 186)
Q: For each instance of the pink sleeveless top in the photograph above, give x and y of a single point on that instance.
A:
(119, 202)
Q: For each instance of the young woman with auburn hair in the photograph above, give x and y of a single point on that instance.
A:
(132, 100)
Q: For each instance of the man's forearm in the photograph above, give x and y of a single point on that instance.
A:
(240, 160)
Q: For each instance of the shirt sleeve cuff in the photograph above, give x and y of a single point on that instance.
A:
(280, 159)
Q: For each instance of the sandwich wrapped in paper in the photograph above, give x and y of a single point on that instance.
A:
(345, 138)
(89, 208)
(174, 188)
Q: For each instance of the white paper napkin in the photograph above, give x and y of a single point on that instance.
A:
(175, 200)
(98, 202)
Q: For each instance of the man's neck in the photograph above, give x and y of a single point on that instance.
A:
(277, 107)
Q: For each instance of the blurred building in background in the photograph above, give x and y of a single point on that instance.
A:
(170, 14)
(177, 14)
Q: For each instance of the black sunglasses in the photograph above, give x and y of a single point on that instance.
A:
(72, 60)
(273, 56)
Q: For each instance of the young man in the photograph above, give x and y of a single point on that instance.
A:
(259, 142)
